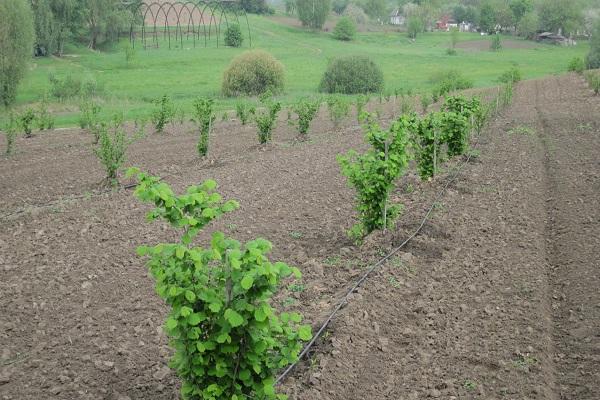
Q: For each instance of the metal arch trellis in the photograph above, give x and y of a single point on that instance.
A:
(183, 18)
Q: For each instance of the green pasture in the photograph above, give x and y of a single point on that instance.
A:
(185, 73)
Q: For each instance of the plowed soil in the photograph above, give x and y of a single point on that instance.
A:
(497, 298)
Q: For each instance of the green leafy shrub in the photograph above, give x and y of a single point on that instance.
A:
(448, 81)
(89, 118)
(233, 36)
(428, 145)
(252, 73)
(495, 43)
(130, 54)
(373, 173)
(163, 113)
(338, 108)
(576, 65)
(414, 26)
(360, 104)
(44, 119)
(345, 29)
(451, 52)
(455, 131)
(228, 340)
(594, 82)
(425, 102)
(507, 94)
(306, 111)
(352, 75)
(204, 117)
(244, 111)
(265, 118)
(111, 149)
(592, 59)
(26, 120)
(10, 130)
(72, 86)
(481, 116)
(513, 75)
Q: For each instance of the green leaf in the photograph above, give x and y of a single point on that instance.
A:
(180, 252)
(247, 282)
(194, 319)
(233, 318)
(185, 311)
(214, 307)
(171, 324)
(305, 332)
(190, 296)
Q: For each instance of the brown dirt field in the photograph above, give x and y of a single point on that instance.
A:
(497, 298)
(484, 45)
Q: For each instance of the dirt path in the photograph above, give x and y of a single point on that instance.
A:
(569, 132)
(499, 298)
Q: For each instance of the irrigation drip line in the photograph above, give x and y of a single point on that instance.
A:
(345, 299)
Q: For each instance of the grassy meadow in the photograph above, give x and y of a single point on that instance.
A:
(185, 73)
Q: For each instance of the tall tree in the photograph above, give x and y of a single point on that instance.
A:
(520, 8)
(487, 18)
(104, 20)
(313, 13)
(45, 27)
(560, 16)
(593, 57)
(16, 46)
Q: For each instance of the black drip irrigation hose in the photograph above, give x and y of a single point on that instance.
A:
(359, 282)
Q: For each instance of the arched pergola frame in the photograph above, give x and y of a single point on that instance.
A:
(187, 17)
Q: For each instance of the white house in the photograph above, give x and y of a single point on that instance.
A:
(396, 17)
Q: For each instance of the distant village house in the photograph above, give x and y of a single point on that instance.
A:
(396, 17)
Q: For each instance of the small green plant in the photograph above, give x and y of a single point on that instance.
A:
(373, 173)
(495, 43)
(360, 103)
(296, 235)
(577, 64)
(44, 119)
(513, 75)
(10, 130)
(306, 111)
(338, 109)
(163, 113)
(228, 340)
(204, 117)
(448, 81)
(425, 103)
(455, 131)
(265, 119)
(595, 83)
(244, 111)
(521, 130)
(296, 288)
(139, 129)
(233, 36)
(89, 118)
(181, 115)
(225, 116)
(469, 384)
(26, 120)
(451, 52)
(428, 142)
(111, 149)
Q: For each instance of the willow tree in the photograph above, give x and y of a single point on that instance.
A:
(16, 46)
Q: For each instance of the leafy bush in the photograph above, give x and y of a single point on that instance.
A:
(26, 120)
(71, 86)
(164, 113)
(427, 145)
(448, 81)
(10, 130)
(455, 131)
(352, 75)
(243, 110)
(265, 119)
(204, 117)
(451, 52)
(252, 73)
(313, 14)
(44, 119)
(228, 340)
(233, 36)
(306, 111)
(360, 103)
(373, 174)
(414, 26)
(89, 118)
(338, 108)
(576, 65)
(513, 75)
(425, 102)
(593, 80)
(495, 43)
(111, 149)
(356, 14)
(345, 29)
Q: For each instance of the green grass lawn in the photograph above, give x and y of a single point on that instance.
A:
(190, 72)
